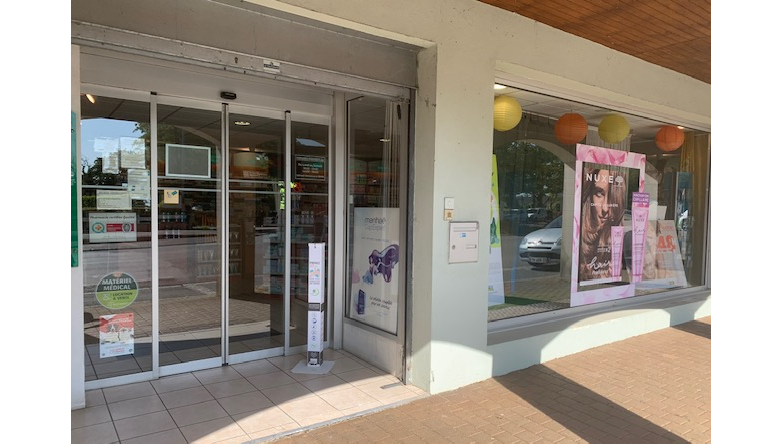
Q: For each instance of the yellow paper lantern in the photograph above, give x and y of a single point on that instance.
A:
(614, 128)
(507, 113)
(669, 138)
(570, 128)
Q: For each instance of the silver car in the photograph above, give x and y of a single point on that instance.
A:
(543, 247)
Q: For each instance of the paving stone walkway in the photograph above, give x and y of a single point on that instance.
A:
(653, 388)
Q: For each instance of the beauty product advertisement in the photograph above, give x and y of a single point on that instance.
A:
(604, 178)
(602, 207)
(495, 293)
(375, 269)
(618, 233)
(640, 219)
(669, 263)
(663, 265)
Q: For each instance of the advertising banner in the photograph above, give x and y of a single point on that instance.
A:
(375, 275)
(663, 263)
(113, 227)
(602, 206)
(75, 194)
(117, 290)
(603, 179)
(640, 212)
(116, 333)
(495, 293)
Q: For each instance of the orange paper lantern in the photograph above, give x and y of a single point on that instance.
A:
(669, 138)
(571, 128)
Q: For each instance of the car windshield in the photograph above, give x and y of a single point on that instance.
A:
(556, 223)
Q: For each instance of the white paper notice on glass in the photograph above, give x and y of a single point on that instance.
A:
(108, 148)
(139, 184)
(464, 242)
(113, 200)
(133, 152)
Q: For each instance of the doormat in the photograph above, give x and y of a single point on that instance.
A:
(322, 369)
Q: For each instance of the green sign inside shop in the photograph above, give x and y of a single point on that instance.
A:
(116, 290)
(75, 230)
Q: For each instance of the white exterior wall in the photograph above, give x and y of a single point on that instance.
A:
(467, 44)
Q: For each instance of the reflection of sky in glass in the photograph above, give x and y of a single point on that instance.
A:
(102, 133)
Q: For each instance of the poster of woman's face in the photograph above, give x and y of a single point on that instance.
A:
(605, 180)
(603, 203)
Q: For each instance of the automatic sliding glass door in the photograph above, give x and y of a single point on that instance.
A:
(190, 246)
(256, 228)
(278, 205)
(239, 194)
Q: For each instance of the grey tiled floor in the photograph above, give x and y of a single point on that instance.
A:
(240, 403)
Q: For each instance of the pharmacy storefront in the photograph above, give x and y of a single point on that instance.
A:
(222, 212)
(462, 201)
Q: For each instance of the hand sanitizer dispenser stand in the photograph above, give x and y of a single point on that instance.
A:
(315, 300)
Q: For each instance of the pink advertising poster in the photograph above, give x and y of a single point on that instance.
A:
(604, 181)
(602, 208)
(662, 264)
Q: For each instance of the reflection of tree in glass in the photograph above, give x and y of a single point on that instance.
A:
(528, 169)
(92, 172)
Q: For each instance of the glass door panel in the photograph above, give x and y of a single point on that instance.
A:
(255, 233)
(375, 269)
(309, 217)
(116, 227)
(190, 240)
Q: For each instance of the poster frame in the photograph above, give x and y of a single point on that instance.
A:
(607, 157)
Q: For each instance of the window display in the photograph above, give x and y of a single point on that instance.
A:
(628, 220)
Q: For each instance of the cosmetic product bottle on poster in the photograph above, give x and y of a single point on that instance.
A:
(618, 232)
(640, 213)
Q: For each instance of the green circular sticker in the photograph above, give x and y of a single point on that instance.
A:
(116, 290)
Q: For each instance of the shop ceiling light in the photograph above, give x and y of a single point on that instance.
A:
(310, 142)
(90, 98)
(498, 86)
(241, 123)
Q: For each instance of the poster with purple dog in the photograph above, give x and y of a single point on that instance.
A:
(375, 269)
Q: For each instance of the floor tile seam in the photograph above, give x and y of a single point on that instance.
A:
(110, 420)
(191, 405)
(206, 386)
(330, 422)
(146, 434)
(194, 403)
(200, 384)
(232, 421)
(262, 388)
(164, 407)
